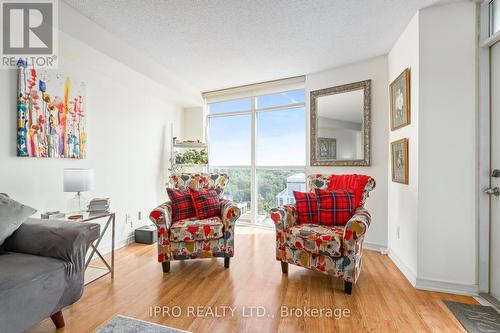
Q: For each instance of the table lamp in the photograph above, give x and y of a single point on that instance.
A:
(78, 180)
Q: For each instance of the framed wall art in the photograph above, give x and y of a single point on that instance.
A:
(399, 161)
(50, 114)
(399, 92)
(327, 148)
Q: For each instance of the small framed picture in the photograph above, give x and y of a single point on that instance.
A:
(399, 91)
(327, 148)
(399, 161)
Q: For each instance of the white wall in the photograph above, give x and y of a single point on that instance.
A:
(437, 212)
(402, 199)
(376, 70)
(447, 201)
(194, 124)
(127, 127)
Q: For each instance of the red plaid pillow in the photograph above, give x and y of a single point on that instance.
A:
(306, 207)
(206, 203)
(353, 182)
(335, 207)
(182, 204)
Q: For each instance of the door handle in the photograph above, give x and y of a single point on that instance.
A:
(493, 191)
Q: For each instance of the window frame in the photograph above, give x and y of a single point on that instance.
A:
(491, 18)
(254, 111)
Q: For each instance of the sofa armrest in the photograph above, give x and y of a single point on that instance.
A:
(230, 212)
(284, 217)
(68, 241)
(161, 216)
(357, 226)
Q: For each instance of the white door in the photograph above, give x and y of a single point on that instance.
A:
(495, 179)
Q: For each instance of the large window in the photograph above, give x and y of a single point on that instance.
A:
(275, 188)
(494, 16)
(280, 139)
(230, 140)
(260, 141)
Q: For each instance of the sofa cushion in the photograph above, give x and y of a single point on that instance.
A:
(21, 269)
(12, 215)
(31, 289)
(206, 203)
(306, 207)
(198, 249)
(355, 183)
(335, 207)
(316, 239)
(197, 229)
(182, 204)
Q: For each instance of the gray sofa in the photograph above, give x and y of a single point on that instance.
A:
(42, 271)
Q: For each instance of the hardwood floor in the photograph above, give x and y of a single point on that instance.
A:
(381, 301)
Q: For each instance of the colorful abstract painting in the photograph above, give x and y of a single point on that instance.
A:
(50, 114)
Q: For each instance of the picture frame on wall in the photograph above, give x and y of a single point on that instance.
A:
(327, 148)
(51, 114)
(399, 92)
(399, 161)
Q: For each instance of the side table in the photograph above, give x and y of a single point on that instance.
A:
(95, 272)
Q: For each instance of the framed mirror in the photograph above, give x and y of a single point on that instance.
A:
(340, 125)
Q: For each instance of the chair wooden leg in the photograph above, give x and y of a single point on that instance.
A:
(166, 266)
(348, 287)
(226, 262)
(284, 267)
(58, 319)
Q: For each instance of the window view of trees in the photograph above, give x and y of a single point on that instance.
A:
(238, 189)
(260, 142)
(274, 188)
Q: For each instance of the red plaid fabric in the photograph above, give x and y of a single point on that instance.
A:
(335, 207)
(306, 207)
(354, 183)
(206, 203)
(182, 204)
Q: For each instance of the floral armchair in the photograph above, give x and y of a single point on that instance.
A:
(193, 238)
(332, 250)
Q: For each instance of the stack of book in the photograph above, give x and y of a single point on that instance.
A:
(99, 205)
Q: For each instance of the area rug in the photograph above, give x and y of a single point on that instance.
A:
(123, 324)
(475, 318)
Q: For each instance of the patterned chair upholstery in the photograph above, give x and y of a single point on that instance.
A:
(332, 250)
(193, 238)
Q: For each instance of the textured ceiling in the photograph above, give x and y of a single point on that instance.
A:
(222, 43)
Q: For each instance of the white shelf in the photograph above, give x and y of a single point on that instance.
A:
(190, 165)
(190, 145)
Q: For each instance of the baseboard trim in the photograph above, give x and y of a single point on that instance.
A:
(433, 285)
(118, 244)
(375, 247)
(407, 272)
(447, 287)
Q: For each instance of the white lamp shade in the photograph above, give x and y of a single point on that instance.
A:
(78, 180)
